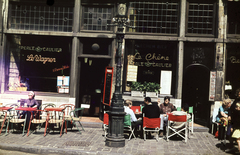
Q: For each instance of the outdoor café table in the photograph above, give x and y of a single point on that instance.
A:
(4, 109)
(58, 110)
(27, 109)
(138, 114)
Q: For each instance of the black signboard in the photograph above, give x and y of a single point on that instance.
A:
(108, 86)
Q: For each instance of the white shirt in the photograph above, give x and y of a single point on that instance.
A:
(129, 111)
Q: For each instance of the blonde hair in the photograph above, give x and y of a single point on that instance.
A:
(127, 103)
(225, 102)
(237, 104)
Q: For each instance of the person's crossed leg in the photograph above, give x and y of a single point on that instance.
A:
(164, 119)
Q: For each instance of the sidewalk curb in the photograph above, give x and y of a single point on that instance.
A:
(51, 151)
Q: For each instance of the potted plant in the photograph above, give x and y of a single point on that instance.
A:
(137, 89)
(151, 88)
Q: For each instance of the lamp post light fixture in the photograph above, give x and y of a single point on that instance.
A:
(115, 137)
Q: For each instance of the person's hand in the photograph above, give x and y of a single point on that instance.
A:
(165, 115)
(229, 118)
(231, 129)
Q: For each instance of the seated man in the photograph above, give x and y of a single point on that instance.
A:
(128, 110)
(150, 110)
(165, 108)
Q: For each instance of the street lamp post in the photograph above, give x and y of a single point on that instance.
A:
(115, 137)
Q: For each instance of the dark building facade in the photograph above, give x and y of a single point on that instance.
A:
(176, 43)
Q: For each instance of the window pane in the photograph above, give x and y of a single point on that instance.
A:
(40, 16)
(97, 18)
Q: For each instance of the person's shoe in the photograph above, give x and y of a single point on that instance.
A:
(237, 152)
(149, 136)
(230, 150)
(161, 134)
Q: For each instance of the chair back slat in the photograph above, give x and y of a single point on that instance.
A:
(67, 109)
(105, 119)
(178, 108)
(151, 122)
(177, 118)
(190, 110)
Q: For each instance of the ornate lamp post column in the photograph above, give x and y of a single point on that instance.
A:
(115, 137)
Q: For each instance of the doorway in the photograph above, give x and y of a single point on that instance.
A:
(91, 83)
(196, 92)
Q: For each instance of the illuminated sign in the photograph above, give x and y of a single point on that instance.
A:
(39, 58)
(39, 49)
(60, 69)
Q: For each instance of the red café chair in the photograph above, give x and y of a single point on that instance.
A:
(152, 125)
(105, 123)
(177, 130)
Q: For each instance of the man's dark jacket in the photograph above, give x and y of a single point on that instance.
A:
(151, 111)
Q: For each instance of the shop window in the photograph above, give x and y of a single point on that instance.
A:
(97, 17)
(154, 17)
(40, 16)
(233, 18)
(232, 70)
(35, 62)
(149, 61)
(200, 18)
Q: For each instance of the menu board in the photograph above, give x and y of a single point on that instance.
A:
(63, 84)
(212, 85)
(107, 91)
(132, 73)
(166, 82)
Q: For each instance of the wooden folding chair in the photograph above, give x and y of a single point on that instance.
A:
(177, 130)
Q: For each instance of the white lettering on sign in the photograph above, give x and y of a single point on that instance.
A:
(39, 58)
(39, 49)
(109, 70)
(234, 60)
(153, 56)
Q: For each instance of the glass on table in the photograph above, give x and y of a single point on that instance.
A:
(137, 111)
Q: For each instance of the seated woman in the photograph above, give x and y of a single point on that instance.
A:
(30, 102)
(222, 117)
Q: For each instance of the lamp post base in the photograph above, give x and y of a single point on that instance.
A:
(115, 142)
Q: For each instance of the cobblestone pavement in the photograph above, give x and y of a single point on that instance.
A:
(92, 141)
